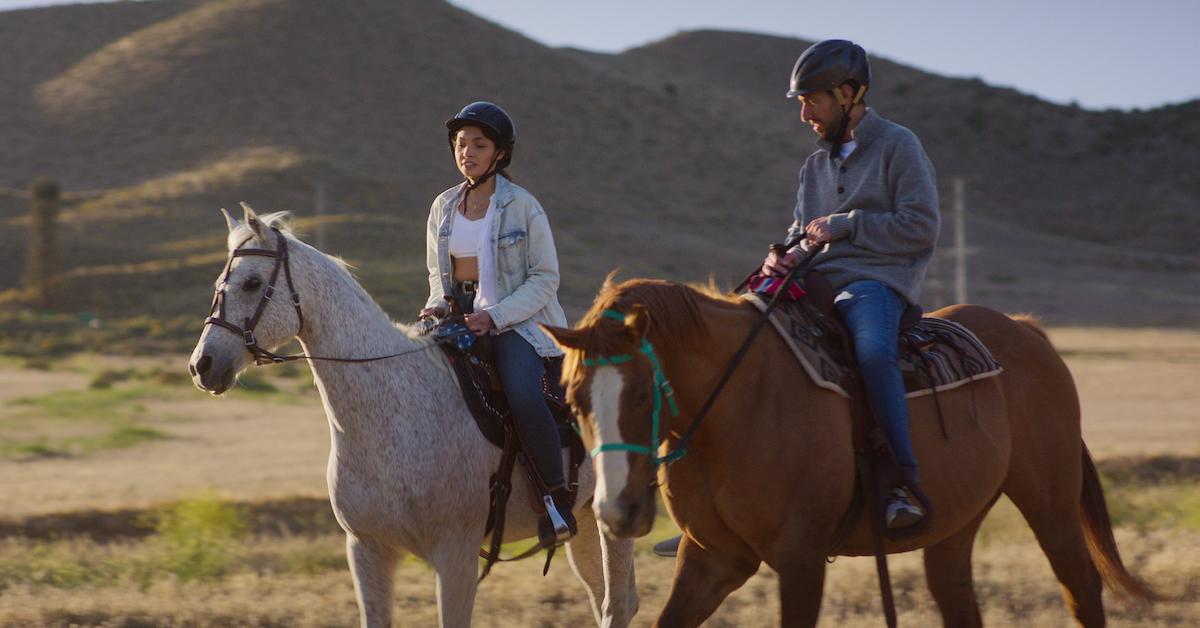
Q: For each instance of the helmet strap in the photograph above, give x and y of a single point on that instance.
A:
(835, 149)
(858, 96)
(491, 172)
(837, 93)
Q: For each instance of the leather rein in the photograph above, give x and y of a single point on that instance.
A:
(663, 388)
(216, 312)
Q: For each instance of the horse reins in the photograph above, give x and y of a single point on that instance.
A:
(662, 387)
(246, 331)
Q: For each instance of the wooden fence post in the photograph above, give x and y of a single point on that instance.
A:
(44, 257)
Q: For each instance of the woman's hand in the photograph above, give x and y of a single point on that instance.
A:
(480, 323)
(436, 312)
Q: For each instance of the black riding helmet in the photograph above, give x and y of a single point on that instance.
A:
(828, 64)
(493, 121)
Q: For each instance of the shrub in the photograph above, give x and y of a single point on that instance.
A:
(255, 383)
(107, 377)
(196, 538)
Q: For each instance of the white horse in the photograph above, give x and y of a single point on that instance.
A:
(408, 468)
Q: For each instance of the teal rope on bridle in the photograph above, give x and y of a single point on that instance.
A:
(662, 388)
(661, 383)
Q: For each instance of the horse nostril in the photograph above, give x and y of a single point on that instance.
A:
(192, 369)
(633, 510)
(202, 365)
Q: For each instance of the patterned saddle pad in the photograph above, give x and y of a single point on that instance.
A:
(935, 354)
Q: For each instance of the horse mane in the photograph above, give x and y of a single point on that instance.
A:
(674, 309)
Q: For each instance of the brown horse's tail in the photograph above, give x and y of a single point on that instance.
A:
(1101, 545)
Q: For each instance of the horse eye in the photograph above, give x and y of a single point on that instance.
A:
(252, 284)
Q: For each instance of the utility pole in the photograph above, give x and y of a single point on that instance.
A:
(960, 240)
(320, 211)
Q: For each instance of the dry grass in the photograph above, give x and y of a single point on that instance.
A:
(256, 446)
(304, 582)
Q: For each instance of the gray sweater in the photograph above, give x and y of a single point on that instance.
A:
(883, 207)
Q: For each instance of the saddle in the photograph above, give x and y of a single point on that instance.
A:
(936, 355)
(474, 365)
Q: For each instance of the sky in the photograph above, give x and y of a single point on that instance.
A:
(1098, 53)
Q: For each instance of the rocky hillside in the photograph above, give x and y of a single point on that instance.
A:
(674, 159)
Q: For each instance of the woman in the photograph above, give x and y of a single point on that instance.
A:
(489, 248)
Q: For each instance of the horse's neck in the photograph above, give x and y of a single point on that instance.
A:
(342, 321)
(340, 318)
(694, 367)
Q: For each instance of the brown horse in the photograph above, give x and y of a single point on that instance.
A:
(771, 469)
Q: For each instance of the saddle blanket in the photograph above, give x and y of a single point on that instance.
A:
(935, 354)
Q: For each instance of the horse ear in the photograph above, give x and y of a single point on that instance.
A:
(564, 337)
(229, 220)
(609, 280)
(637, 320)
(251, 219)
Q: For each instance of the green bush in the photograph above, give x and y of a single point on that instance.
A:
(128, 436)
(197, 539)
(107, 377)
(255, 383)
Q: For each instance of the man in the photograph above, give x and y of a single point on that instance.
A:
(868, 195)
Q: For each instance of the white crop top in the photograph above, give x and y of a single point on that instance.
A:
(465, 235)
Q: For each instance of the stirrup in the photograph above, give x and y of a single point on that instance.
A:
(900, 511)
(562, 530)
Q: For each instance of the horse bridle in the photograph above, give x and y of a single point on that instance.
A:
(246, 331)
(662, 387)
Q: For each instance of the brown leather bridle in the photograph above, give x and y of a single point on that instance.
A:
(246, 331)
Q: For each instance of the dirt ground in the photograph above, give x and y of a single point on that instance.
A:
(1139, 393)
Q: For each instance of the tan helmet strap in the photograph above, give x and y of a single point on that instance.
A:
(837, 93)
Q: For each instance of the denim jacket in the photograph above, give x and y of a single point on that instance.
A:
(526, 262)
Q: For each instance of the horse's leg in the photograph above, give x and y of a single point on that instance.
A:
(1050, 503)
(703, 579)
(605, 566)
(948, 574)
(801, 584)
(373, 568)
(457, 567)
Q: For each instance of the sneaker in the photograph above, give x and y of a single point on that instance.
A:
(668, 548)
(900, 511)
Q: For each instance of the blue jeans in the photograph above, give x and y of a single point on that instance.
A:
(521, 370)
(872, 310)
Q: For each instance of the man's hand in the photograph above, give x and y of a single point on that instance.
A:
(818, 231)
(778, 265)
(480, 323)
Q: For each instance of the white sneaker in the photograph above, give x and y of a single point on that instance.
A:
(900, 511)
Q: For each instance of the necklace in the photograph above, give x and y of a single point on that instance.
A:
(474, 213)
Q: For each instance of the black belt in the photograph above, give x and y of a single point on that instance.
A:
(468, 286)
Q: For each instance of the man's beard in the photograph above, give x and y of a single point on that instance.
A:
(830, 131)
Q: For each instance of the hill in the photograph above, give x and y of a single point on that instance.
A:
(675, 159)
